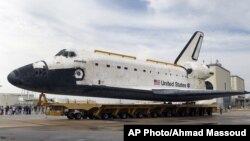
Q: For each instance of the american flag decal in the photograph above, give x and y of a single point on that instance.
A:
(157, 82)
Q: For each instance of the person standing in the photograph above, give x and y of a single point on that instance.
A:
(221, 109)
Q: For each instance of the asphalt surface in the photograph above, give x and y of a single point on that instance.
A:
(44, 128)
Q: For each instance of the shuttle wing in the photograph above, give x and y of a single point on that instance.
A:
(192, 95)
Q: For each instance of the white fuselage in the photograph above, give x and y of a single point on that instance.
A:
(115, 71)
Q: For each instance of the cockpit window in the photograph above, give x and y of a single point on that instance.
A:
(60, 52)
(72, 54)
(66, 53)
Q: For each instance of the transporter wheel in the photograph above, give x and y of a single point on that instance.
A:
(139, 115)
(90, 116)
(70, 116)
(154, 115)
(84, 115)
(123, 116)
(181, 113)
(105, 116)
(168, 114)
(78, 116)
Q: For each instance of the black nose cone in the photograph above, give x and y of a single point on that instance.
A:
(13, 78)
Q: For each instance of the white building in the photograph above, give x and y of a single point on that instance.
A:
(14, 98)
(237, 83)
(221, 80)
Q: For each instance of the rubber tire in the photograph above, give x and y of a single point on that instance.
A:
(139, 115)
(70, 116)
(78, 116)
(154, 115)
(123, 116)
(105, 116)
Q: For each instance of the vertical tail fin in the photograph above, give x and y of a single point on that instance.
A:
(192, 49)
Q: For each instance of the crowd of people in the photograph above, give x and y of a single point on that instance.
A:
(21, 109)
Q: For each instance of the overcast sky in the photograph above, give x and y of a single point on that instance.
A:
(31, 30)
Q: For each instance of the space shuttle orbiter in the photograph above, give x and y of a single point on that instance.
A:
(113, 75)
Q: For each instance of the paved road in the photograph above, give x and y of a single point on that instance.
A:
(42, 128)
